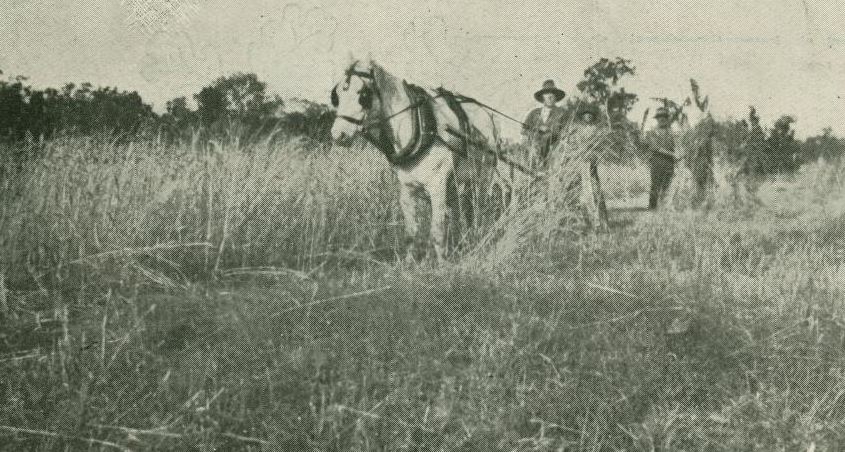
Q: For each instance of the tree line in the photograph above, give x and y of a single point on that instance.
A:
(759, 151)
(238, 104)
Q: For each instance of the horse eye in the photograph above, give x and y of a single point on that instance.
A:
(365, 97)
(335, 99)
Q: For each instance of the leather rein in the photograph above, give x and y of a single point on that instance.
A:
(381, 125)
(423, 139)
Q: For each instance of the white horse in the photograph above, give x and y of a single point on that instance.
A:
(416, 130)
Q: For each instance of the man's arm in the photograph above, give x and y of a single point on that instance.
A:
(655, 142)
(528, 124)
(645, 141)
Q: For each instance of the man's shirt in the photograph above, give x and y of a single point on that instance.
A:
(552, 118)
(545, 112)
(661, 141)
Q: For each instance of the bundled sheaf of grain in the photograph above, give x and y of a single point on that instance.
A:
(703, 176)
(543, 209)
(824, 175)
(692, 184)
(96, 205)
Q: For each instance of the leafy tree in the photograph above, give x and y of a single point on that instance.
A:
(600, 85)
(211, 105)
(314, 120)
(178, 112)
(247, 96)
(28, 112)
(12, 104)
(239, 103)
(35, 114)
(826, 147)
(239, 98)
(782, 147)
(744, 144)
(178, 108)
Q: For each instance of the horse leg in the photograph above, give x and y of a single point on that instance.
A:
(408, 203)
(439, 219)
(466, 206)
(498, 199)
(453, 214)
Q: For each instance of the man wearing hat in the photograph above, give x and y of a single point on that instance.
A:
(543, 125)
(578, 169)
(661, 144)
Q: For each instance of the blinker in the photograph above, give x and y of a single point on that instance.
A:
(335, 98)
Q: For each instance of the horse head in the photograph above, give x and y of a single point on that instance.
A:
(353, 98)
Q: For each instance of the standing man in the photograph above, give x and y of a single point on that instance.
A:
(579, 167)
(661, 145)
(543, 125)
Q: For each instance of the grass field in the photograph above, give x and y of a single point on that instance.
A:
(249, 299)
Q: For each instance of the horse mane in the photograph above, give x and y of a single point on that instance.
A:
(386, 83)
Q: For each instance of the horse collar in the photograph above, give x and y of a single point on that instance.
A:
(423, 123)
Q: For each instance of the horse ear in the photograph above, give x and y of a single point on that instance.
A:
(334, 98)
(369, 60)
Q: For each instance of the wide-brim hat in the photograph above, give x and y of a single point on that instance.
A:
(588, 108)
(661, 112)
(549, 87)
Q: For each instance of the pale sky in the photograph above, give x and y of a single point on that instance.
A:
(784, 57)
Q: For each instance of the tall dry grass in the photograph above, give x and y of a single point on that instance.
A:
(683, 330)
(93, 205)
(172, 214)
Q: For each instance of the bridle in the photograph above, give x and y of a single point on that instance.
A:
(365, 95)
(365, 99)
(384, 138)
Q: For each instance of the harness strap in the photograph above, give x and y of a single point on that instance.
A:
(463, 120)
(424, 125)
(483, 146)
(368, 75)
(355, 121)
(467, 99)
(423, 128)
(366, 123)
